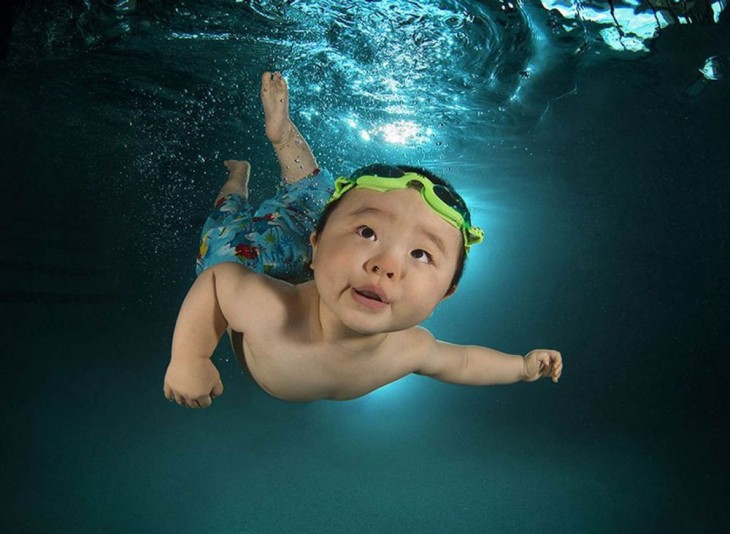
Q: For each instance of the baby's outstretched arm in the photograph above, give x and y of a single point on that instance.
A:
(482, 366)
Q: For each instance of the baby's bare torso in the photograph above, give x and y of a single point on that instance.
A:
(285, 354)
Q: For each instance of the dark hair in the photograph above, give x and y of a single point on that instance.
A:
(395, 171)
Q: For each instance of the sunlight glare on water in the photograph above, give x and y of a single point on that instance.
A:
(403, 68)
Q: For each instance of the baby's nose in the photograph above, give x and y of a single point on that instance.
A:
(377, 270)
(385, 266)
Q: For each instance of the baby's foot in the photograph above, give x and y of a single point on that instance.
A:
(238, 174)
(238, 170)
(275, 97)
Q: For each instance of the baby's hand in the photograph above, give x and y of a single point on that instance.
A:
(192, 382)
(542, 362)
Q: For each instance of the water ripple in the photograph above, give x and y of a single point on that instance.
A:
(403, 73)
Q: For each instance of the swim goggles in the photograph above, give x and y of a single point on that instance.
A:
(442, 199)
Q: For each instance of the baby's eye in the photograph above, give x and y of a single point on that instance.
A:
(422, 256)
(366, 232)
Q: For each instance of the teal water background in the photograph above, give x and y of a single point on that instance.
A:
(601, 183)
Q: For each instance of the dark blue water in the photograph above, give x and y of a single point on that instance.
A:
(598, 167)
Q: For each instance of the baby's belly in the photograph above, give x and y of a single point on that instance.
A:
(297, 380)
(280, 385)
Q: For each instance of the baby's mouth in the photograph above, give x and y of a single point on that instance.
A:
(369, 295)
(372, 293)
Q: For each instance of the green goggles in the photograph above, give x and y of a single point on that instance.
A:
(442, 199)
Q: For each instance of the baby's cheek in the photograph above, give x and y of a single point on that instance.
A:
(426, 307)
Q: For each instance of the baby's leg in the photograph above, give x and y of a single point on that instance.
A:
(238, 174)
(295, 156)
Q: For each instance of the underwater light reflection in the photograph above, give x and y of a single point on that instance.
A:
(402, 133)
(396, 133)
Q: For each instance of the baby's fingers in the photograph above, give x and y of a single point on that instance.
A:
(198, 403)
(217, 390)
(557, 366)
(170, 393)
(182, 400)
(551, 363)
(205, 401)
(557, 372)
(202, 401)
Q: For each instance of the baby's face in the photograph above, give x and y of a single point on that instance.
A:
(384, 260)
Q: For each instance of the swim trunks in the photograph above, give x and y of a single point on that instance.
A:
(274, 239)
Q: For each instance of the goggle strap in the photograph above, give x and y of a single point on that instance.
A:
(471, 234)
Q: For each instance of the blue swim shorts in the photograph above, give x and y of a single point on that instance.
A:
(274, 239)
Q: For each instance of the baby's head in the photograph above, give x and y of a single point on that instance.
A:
(455, 211)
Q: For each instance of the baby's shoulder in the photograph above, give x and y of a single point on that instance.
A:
(273, 295)
(236, 279)
(415, 340)
(249, 298)
(410, 348)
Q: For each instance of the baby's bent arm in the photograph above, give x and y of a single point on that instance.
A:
(191, 378)
(214, 301)
(200, 323)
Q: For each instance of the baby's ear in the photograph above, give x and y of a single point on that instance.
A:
(450, 292)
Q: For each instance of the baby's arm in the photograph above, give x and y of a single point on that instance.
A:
(482, 366)
(192, 379)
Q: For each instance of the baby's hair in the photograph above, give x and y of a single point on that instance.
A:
(372, 169)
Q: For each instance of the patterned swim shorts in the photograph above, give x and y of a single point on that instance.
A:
(274, 239)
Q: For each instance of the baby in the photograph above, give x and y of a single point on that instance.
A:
(388, 248)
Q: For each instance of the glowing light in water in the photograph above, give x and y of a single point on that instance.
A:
(397, 133)
(400, 133)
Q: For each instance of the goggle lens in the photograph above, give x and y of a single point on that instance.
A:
(452, 199)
